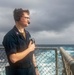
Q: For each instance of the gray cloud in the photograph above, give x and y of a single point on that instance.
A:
(49, 15)
(46, 15)
(56, 18)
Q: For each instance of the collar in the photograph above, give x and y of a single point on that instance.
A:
(17, 31)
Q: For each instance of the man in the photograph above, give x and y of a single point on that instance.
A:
(18, 47)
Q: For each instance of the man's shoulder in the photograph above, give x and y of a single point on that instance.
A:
(10, 33)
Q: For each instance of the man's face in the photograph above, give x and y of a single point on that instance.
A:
(25, 19)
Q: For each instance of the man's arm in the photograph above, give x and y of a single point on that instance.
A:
(20, 55)
(35, 65)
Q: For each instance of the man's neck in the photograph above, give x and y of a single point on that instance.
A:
(20, 28)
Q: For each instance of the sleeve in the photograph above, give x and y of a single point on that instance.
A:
(9, 44)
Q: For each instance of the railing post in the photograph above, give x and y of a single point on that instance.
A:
(56, 57)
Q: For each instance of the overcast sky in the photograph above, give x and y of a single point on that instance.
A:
(52, 21)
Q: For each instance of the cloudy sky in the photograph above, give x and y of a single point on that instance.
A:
(52, 21)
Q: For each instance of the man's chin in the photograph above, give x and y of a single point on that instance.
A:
(26, 25)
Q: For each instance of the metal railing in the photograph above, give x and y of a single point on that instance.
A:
(68, 63)
(3, 61)
(47, 60)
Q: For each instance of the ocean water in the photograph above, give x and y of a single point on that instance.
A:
(45, 59)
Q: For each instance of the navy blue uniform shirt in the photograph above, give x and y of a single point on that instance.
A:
(14, 42)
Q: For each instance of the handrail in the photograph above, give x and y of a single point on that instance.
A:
(49, 48)
(68, 59)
